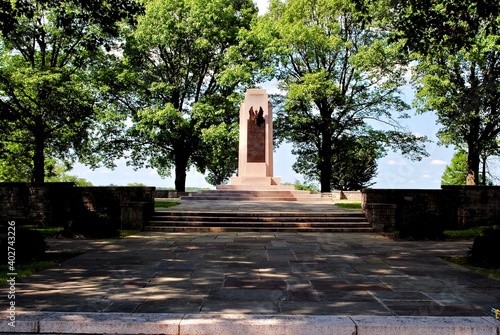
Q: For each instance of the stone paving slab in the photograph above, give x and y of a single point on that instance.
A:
(284, 274)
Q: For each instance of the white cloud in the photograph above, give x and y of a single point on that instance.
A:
(438, 162)
(426, 176)
(395, 163)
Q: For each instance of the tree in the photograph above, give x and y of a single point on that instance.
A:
(220, 148)
(341, 77)
(59, 173)
(457, 74)
(48, 50)
(456, 172)
(185, 65)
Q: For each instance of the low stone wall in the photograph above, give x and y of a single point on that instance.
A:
(451, 206)
(347, 195)
(169, 194)
(55, 204)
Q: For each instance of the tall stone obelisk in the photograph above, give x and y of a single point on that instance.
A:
(255, 160)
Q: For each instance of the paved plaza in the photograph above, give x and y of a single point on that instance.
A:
(260, 273)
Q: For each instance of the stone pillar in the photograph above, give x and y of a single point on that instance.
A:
(255, 160)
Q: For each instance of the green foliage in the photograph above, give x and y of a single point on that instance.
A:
(455, 45)
(220, 152)
(58, 173)
(484, 251)
(339, 71)
(15, 165)
(303, 186)
(456, 172)
(49, 52)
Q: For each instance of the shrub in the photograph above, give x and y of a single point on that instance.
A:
(484, 250)
(422, 226)
(29, 245)
(93, 225)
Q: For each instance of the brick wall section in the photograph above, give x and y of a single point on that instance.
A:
(455, 206)
(57, 203)
(170, 194)
(479, 205)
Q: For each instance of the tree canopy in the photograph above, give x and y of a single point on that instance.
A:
(342, 77)
(184, 66)
(456, 46)
(48, 51)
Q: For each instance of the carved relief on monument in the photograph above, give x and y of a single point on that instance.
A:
(256, 137)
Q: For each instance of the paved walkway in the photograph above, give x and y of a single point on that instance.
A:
(260, 273)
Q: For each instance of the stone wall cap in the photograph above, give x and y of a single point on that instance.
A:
(247, 324)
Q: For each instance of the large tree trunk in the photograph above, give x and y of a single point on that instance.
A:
(39, 159)
(180, 172)
(472, 166)
(473, 152)
(325, 163)
(483, 162)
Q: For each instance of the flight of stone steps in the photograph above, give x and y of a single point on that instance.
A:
(338, 221)
(257, 195)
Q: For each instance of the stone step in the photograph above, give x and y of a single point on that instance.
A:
(351, 224)
(341, 221)
(352, 213)
(257, 195)
(240, 198)
(160, 219)
(256, 187)
(218, 229)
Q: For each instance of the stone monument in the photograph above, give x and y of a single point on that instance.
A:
(255, 160)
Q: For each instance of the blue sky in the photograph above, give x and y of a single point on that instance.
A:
(394, 170)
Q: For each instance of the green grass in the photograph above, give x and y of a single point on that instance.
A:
(124, 232)
(349, 205)
(464, 234)
(463, 261)
(23, 270)
(46, 231)
(165, 204)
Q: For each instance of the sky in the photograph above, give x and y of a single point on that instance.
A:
(394, 170)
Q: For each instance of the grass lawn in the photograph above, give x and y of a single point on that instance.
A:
(464, 234)
(349, 205)
(463, 261)
(164, 203)
(47, 232)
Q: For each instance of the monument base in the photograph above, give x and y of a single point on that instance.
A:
(256, 181)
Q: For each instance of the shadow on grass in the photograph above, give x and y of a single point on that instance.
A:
(492, 273)
(49, 260)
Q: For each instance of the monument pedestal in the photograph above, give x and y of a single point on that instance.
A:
(255, 160)
(256, 181)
